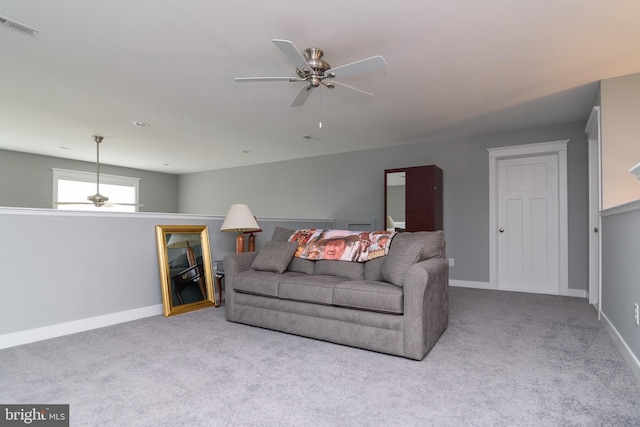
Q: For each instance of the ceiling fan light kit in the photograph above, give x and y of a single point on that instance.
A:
(313, 70)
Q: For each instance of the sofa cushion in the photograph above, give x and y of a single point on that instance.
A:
(316, 289)
(369, 295)
(259, 282)
(433, 242)
(300, 265)
(350, 270)
(373, 268)
(274, 256)
(403, 254)
(281, 234)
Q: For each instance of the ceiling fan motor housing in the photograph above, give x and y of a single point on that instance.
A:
(313, 56)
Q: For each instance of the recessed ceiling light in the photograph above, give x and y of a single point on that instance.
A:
(142, 124)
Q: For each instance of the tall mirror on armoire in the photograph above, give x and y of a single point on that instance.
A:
(413, 198)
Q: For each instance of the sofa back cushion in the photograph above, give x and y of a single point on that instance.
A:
(432, 241)
(350, 270)
(281, 234)
(300, 265)
(373, 269)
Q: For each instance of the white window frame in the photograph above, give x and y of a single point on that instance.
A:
(73, 175)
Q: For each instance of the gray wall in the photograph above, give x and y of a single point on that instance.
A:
(351, 185)
(621, 271)
(619, 101)
(26, 181)
(61, 266)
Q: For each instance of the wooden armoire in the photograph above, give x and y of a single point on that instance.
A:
(417, 191)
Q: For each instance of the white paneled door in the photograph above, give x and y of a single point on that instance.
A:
(528, 224)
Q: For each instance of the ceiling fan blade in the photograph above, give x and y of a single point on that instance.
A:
(352, 88)
(363, 66)
(263, 79)
(301, 97)
(292, 53)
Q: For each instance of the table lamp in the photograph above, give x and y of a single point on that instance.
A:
(240, 219)
(251, 245)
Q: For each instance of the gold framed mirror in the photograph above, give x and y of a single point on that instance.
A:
(186, 277)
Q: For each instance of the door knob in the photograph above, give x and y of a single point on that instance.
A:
(501, 230)
(595, 229)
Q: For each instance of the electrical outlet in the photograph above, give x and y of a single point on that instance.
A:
(452, 263)
(636, 313)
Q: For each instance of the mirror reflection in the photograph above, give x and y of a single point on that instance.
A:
(185, 268)
(395, 200)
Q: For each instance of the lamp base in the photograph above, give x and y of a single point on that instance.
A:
(252, 243)
(240, 243)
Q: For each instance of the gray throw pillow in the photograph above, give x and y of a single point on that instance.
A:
(274, 256)
(402, 255)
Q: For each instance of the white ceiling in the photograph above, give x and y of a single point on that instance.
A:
(454, 68)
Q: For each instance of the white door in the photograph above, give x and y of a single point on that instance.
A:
(528, 221)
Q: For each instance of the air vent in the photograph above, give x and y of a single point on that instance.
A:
(18, 26)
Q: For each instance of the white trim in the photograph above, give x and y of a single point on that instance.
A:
(159, 215)
(577, 293)
(622, 346)
(559, 148)
(470, 284)
(53, 331)
(627, 207)
(91, 177)
(594, 138)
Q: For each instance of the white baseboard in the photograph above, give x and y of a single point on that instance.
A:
(470, 284)
(486, 285)
(622, 346)
(577, 293)
(38, 334)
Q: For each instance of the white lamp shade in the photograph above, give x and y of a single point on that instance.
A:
(181, 240)
(239, 218)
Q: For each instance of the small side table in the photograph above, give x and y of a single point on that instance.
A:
(218, 277)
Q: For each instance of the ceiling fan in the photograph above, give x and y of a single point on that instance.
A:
(98, 200)
(314, 71)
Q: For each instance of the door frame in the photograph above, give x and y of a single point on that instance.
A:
(593, 131)
(558, 149)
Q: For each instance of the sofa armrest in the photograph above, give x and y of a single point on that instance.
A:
(234, 264)
(426, 305)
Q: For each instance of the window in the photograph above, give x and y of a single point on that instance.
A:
(76, 186)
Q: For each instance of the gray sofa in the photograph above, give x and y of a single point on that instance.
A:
(396, 304)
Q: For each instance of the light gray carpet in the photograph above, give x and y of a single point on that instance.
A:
(507, 359)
